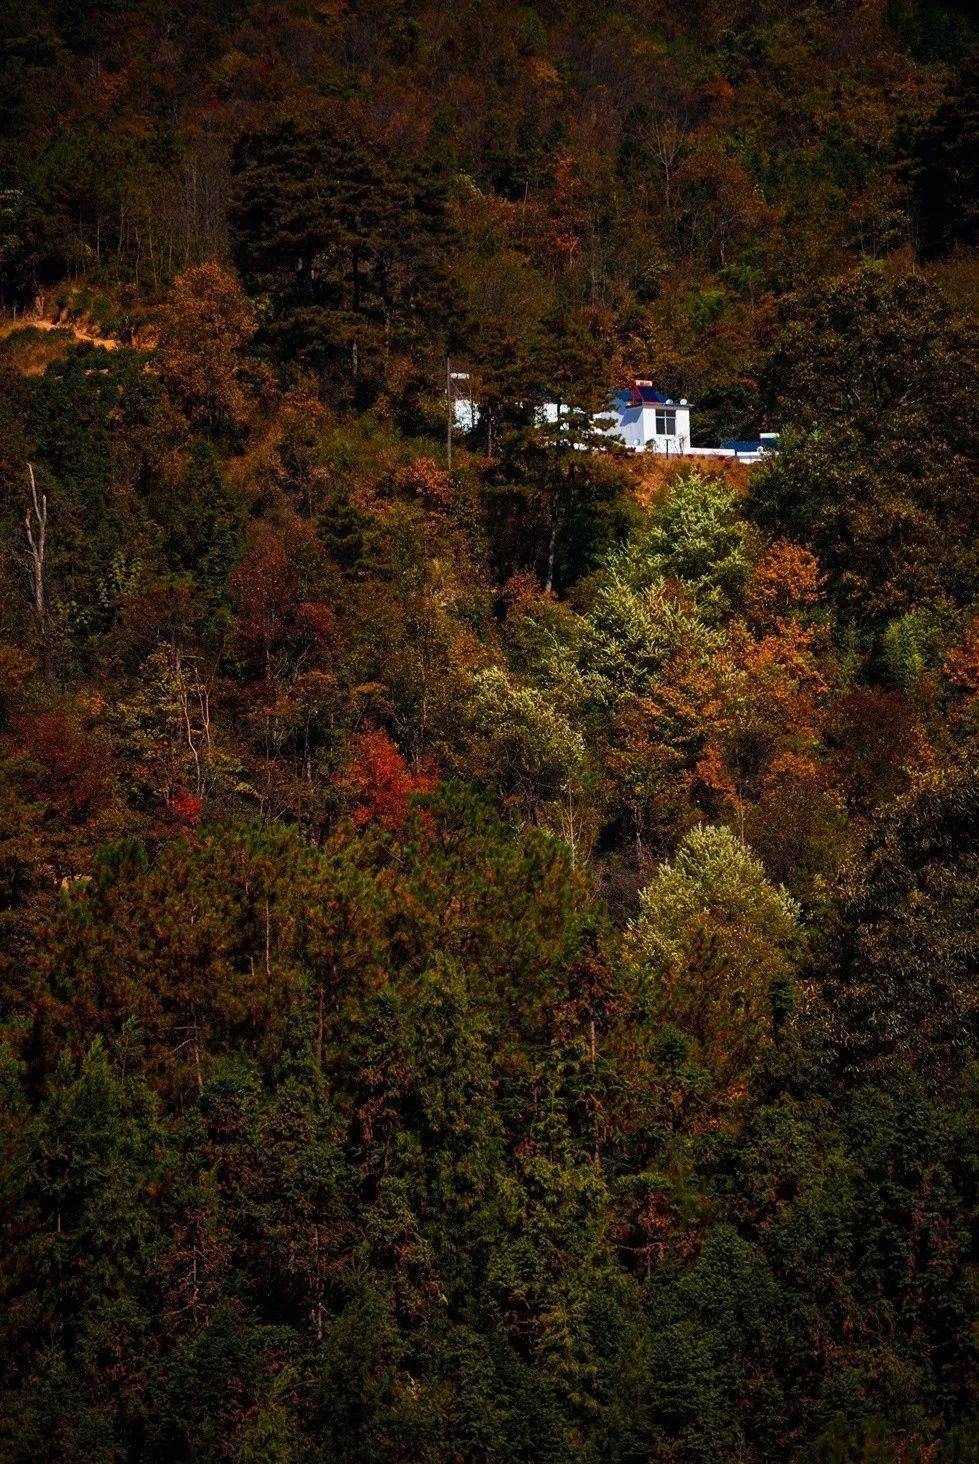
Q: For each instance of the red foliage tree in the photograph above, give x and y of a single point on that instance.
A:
(379, 783)
(962, 665)
(73, 762)
(265, 593)
(271, 617)
(186, 808)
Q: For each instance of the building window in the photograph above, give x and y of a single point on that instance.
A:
(666, 424)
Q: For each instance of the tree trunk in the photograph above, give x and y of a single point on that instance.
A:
(551, 554)
(36, 526)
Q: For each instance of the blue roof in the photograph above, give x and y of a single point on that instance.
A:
(736, 444)
(651, 396)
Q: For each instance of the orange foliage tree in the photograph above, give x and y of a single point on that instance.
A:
(206, 327)
(786, 580)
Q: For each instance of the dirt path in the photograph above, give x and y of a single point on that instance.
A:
(80, 332)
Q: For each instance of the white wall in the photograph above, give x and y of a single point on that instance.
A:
(465, 415)
(673, 444)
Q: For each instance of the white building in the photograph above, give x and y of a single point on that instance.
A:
(646, 420)
(639, 417)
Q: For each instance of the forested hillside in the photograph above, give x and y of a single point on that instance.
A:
(489, 933)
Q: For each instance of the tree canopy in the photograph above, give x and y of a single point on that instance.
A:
(487, 920)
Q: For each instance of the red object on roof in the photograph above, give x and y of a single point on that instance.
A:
(643, 393)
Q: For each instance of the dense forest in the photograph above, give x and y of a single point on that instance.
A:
(489, 933)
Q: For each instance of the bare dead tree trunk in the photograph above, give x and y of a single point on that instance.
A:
(36, 525)
(189, 689)
(551, 553)
(668, 143)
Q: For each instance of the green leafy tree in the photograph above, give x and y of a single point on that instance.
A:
(695, 535)
(715, 947)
